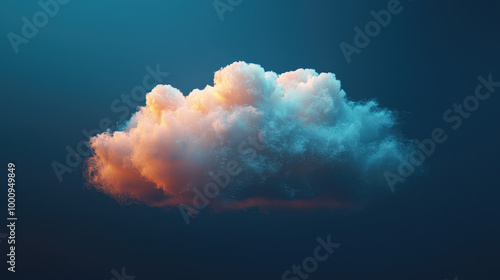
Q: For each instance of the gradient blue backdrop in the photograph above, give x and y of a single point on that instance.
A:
(437, 226)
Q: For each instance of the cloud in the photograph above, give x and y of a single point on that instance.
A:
(255, 138)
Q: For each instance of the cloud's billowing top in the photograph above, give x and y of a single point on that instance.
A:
(259, 138)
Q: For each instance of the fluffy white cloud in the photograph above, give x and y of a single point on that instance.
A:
(295, 139)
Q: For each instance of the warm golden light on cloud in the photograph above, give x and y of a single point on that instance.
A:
(294, 136)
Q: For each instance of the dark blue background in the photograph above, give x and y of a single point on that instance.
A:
(440, 225)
